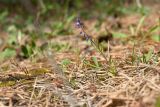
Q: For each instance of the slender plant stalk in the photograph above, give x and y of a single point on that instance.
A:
(111, 67)
(80, 25)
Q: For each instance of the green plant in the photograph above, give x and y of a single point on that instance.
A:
(146, 57)
(3, 16)
(93, 42)
(28, 50)
(7, 53)
(141, 21)
(133, 57)
(154, 29)
(97, 46)
(112, 67)
(92, 63)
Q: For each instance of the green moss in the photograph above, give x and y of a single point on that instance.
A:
(7, 83)
(38, 71)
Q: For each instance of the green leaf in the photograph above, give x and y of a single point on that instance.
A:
(89, 64)
(119, 35)
(7, 53)
(70, 19)
(140, 24)
(95, 61)
(154, 28)
(24, 51)
(27, 51)
(66, 62)
(3, 16)
(112, 68)
(149, 55)
(33, 44)
(156, 38)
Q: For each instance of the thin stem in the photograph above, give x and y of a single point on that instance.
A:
(98, 47)
(94, 44)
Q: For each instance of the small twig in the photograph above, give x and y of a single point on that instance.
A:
(150, 66)
(34, 86)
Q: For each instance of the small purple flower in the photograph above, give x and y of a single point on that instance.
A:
(81, 33)
(87, 37)
(81, 27)
(79, 24)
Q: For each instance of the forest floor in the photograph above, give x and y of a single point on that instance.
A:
(70, 72)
